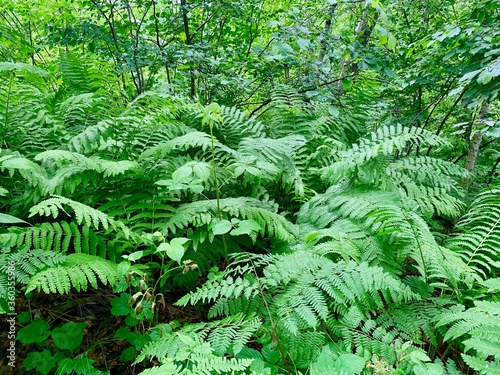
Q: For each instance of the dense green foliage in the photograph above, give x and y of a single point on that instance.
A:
(316, 183)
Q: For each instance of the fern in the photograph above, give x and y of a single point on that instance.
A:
(385, 141)
(89, 139)
(184, 142)
(287, 114)
(481, 324)
(63, 237)
(336, 287)
(309, 291)
(83, 213)
(70, 163)
(478, 237)
(398, 232)
(29, 262)
(236, 125)
(78, 271)
(205, 213)
(370, 161)
(188, 355)
(256, 156)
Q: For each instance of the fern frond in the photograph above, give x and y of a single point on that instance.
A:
(89, 139)
(222, 287)
(383, 142)
(236, 125)
(74, 73)
(194, 356)
(7, 66)
(29, 262)
(84, 214)
(463, 321)
(231, 333)
(78, 271)
(336, 287)
(184, 142)
(381, 214)
(79, 162)
(481, 324)
(35, 175)
(63, 237)
(478, 239)
(255, 156)
(205, 212)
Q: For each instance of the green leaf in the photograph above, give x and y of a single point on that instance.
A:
(128, 354)
(469, 76)
(333, 111)
(69, 336)
(43, 362)
(134, 256)
(164, 183)
(175, 249)
(37, 331)
(20, 163)
(391, 42)
(182, 173)
(418, 356)
(163, 247)
(202, 171)
(303, 43)
(197, 189)
(271, 355)
(66, 366)
(83, 366)
(179, 241)
(352, 364)
(123, 267)
(323, 365)
(176, 253)
(485, 78)
(120, 306)
(9, 219)
(123, 333)
(222, 227)
(246, 227)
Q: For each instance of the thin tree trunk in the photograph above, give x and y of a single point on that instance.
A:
(475, 143)
(326, 31)
(490, 180)
(188, 42)
(473, 150)
(366, 29)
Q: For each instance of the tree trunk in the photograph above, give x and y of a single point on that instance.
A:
(475, 143)
(326, 31)
(188, 42)
(365, 29)
(473, 150)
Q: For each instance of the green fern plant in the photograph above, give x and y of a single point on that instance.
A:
(83, 214)
(186, 354)
(372, 161)
(205, 213)
(77, 271)
(477, 237)
(481, 325)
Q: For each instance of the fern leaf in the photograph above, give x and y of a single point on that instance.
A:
(78, 271)
(205, 212)
(84, 214)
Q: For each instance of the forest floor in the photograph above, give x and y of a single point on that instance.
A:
(99, 343)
